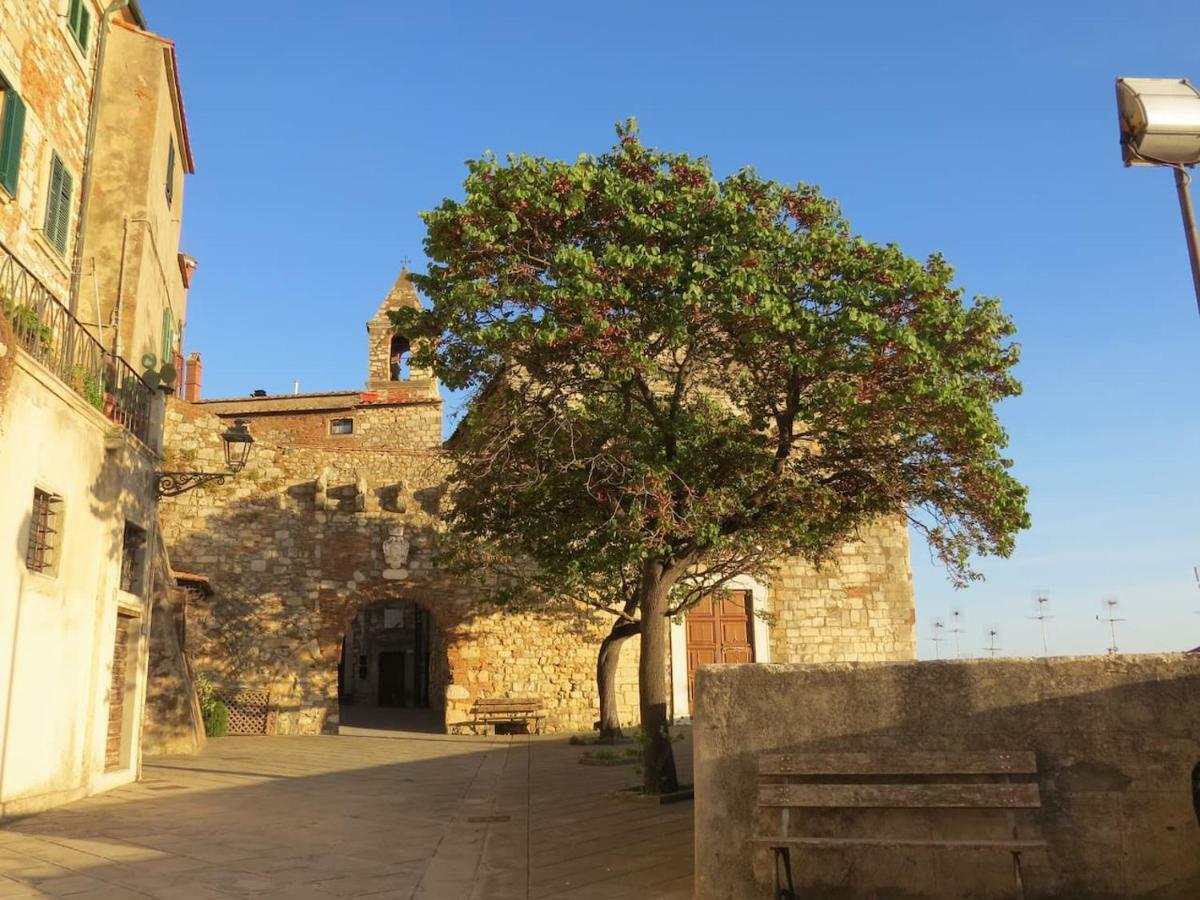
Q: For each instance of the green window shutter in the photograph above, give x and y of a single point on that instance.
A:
(168, 338)
(79, 20)
(170, 170)
(58, 204)
(12, 131)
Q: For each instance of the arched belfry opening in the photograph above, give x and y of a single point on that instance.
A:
(398, 358)
(393, 670)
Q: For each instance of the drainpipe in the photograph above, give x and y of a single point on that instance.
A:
(116, 325)
(86, 181)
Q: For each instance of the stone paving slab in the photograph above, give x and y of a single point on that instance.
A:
(370, 813)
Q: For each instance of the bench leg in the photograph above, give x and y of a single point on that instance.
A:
(1016, 855)
(783, 859)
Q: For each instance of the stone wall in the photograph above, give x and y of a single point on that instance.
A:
(1117, 740)
(859, 607)
(315, 529)
(320, 525)
(172, 722)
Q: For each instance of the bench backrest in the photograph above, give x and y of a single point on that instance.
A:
(914, 779)
(507, 705)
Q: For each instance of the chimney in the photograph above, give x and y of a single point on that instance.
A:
(191, 384)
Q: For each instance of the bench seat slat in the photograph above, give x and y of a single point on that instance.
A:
(886, 796)
(896, 842)
(507, 718)
(1001, 762)
(508, 712)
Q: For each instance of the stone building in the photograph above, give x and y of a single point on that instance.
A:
(93, 152)
(325, 593)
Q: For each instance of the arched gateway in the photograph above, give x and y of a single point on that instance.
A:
(392, 669)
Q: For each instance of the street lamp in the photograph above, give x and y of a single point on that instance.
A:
(1160, 126)
(236, 440)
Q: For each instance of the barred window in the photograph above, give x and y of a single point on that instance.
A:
(132, 554)
(341, 426)
(45, 525)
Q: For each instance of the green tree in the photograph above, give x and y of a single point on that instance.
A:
(676, 377)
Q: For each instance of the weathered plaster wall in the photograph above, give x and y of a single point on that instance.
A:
(57, 628)
(1116, 740)
(132, 241)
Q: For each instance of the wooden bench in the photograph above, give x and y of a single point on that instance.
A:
(1004, 781)
(488, 713)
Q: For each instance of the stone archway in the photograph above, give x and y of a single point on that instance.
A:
(392, 669)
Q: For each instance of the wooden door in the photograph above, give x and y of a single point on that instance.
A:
(719, 632)
(391, 678)
(116, 694)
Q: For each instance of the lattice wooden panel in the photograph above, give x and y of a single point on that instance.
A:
(248, 712)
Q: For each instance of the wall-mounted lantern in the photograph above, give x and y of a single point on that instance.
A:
(236, 440)
(1160, 126)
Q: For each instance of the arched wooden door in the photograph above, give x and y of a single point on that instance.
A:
(719, 631)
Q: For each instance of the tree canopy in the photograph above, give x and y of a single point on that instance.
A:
(704, 370)
(678, 378)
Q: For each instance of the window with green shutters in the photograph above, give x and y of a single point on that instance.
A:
(58, 204)
(12, 132)
(170, 170)
(79, 20)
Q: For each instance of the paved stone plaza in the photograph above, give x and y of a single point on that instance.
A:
(367, 813)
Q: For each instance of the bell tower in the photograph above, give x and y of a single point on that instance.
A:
(389, 355)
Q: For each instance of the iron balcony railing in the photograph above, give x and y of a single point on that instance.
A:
(55, 338)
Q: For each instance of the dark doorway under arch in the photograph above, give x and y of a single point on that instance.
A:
(391, 674)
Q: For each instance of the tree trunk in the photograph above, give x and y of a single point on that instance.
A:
(606, 678)
(658, 760)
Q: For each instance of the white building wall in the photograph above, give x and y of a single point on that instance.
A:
(57, 632)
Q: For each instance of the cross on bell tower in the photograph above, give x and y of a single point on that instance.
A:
(388, 353)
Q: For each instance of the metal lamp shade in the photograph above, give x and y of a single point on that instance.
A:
(237, 440)
(1160, 121)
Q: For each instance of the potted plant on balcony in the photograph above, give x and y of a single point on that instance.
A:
(27, 324)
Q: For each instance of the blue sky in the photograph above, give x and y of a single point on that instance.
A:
(985, 132)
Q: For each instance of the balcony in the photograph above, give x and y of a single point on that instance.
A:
(50, 334)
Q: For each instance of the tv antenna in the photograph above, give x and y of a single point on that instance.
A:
(993, 632)
(1041, 612)
(938, 627)
(956, 621)
(1109, 605)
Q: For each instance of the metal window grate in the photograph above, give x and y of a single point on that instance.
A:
(41, 553)
(131, 558)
